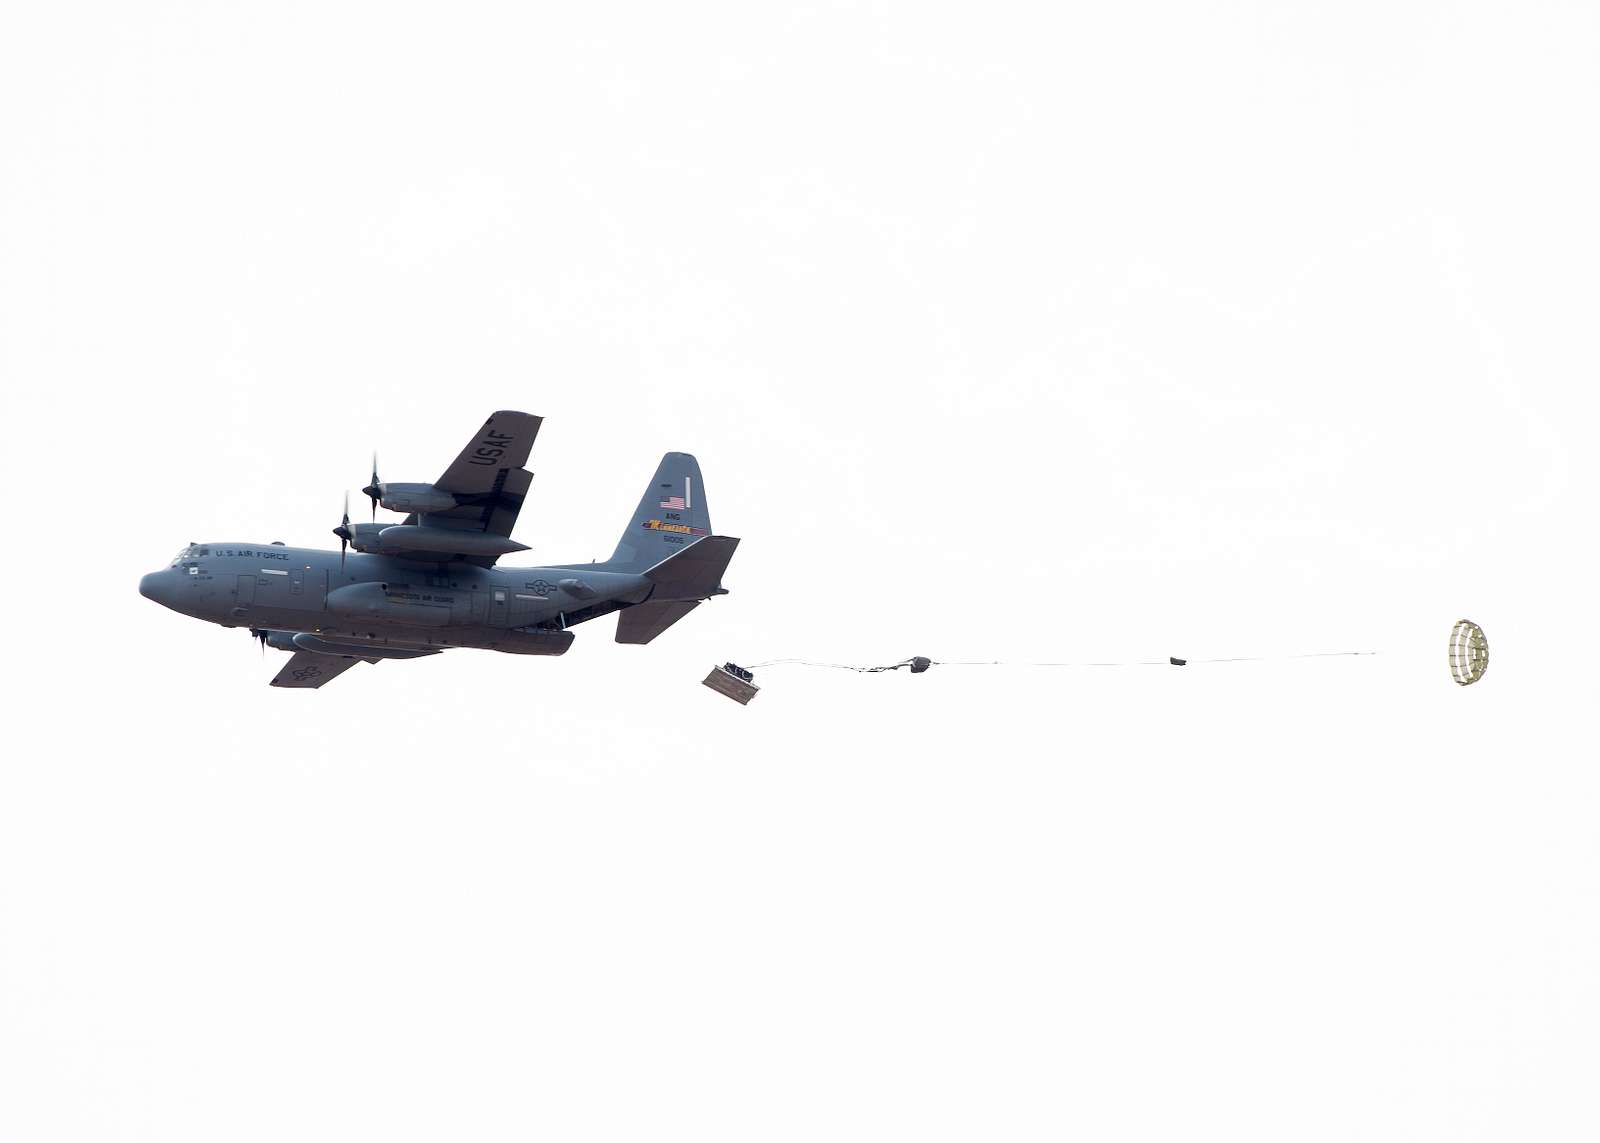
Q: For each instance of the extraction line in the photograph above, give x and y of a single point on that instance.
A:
(913, 663)
(1469, 658)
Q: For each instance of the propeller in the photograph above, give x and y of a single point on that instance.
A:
(374, 490)
(343, 531)
(261, 637)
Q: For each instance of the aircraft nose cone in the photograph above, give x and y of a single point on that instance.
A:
(154, 586)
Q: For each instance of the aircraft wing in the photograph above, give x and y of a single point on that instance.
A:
(488, 479)
(310, 669)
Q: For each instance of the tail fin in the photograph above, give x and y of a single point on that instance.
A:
(671, 516)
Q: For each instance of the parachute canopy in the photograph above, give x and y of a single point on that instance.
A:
(1469, 652)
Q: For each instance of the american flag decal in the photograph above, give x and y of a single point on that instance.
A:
(681, 503)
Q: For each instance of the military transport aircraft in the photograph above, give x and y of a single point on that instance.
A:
(430, 582)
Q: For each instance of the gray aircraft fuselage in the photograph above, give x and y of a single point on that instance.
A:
(418, 586)
(377, 602)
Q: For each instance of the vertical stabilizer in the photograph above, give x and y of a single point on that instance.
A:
(672, 515)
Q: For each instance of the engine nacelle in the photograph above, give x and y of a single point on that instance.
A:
(419, 498)
(446, 541)
(305, 641)
(395, 539)
(364, 537)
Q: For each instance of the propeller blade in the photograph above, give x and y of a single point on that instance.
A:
(374, 489)
(343, 530)
(261, 637)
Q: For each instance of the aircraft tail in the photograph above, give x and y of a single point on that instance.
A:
(672, 515)
(669, 542)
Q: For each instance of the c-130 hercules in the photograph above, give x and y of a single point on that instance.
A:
(430, 583)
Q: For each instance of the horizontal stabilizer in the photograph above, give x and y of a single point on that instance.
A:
(643, 623)
(694, 572)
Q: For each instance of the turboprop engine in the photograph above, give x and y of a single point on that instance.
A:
(279, 640)
(305, 641)
(364, 537)
(404, 498)
(400, 539)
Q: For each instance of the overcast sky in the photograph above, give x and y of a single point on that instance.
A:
(1000, 332)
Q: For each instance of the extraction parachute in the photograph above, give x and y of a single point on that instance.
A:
(1469, 652)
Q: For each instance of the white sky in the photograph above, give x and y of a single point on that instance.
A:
(1000, 332)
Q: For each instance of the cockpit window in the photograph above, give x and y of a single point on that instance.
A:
(192, 552)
